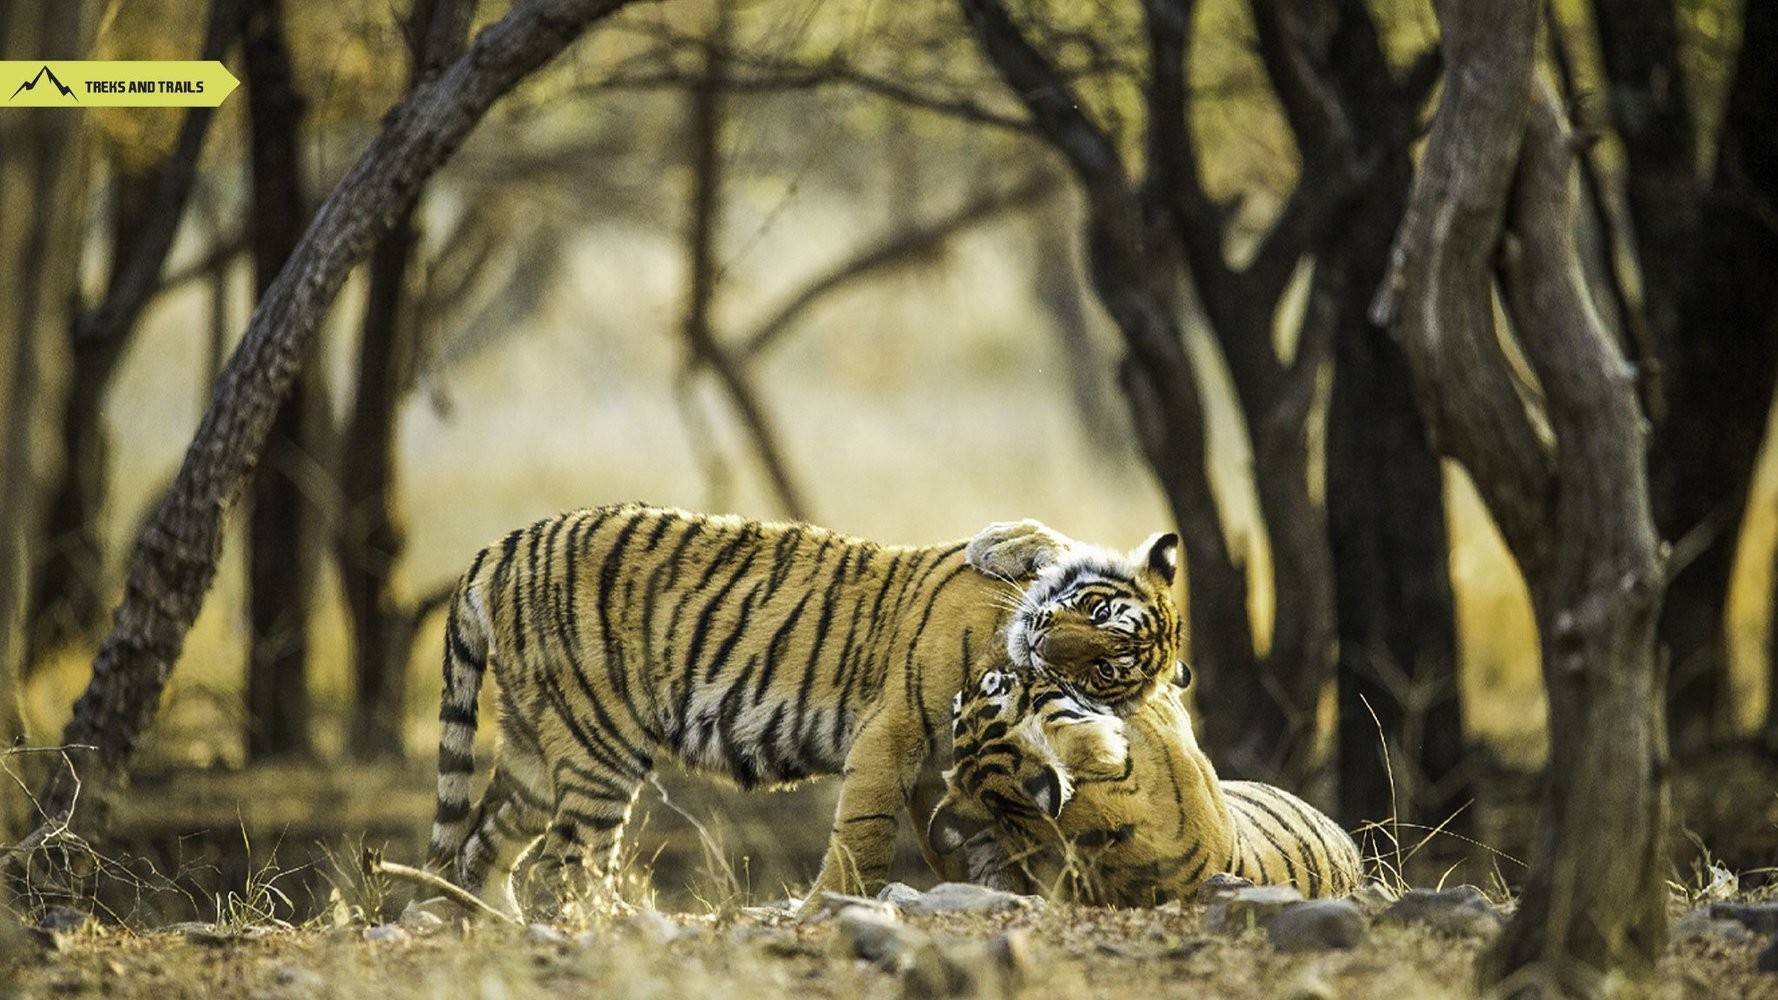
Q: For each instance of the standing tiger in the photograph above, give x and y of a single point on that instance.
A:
(767, 653)
(1113, 803)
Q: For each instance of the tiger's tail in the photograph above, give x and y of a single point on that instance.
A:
(468, 633)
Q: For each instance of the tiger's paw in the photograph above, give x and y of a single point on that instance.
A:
(1012, 550)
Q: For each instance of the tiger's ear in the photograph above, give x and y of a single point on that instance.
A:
(1160, 555)
(1045, 789)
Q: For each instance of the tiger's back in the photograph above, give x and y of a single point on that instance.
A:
(763, 652)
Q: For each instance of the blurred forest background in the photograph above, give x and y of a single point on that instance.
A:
(812, 259)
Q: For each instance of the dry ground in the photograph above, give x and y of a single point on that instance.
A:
(1072, 952)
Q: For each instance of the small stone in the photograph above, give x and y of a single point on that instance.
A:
(63, 920)
(420, 922)
(546, 935)
(208, 935)
(387, 934)
(1462, 911)
(1699, 925)
(965, 897)
(1240, 909)
(883, 941)
(1220, 884)
(832, 903)
(1318, 925)
(1760, 918)
(899, 894)
(1768, 958)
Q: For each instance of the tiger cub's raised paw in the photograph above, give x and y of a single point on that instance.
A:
(1013, 550)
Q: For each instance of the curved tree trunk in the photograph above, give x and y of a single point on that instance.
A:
(1574, 510)
(175, 558)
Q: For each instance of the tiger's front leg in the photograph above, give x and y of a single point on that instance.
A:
(881, 772)
(1014, 550)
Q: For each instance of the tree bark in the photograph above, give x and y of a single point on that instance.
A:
(281, 554)
(69, 591)
(175, 558)
(1709, 303)
(148, 205)
(1720, 377)
(1142, 241)
(1397, 668)
(40, 199)
(1580, 527)
(370, 538)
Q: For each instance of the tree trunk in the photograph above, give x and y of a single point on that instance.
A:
(40, 197)
(370, 538)
(70, 590)
(175, 558)
(1574, 511)
(1709, 306)
(147, 205)
(704, 125)
(1259, 711)
(1595, 898)
(1720, 379)
(1397, 668)
(281, 554)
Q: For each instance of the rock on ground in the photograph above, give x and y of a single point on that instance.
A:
(1462, 911)
(1318, 925)
(1236, 911)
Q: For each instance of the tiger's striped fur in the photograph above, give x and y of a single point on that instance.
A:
(1104, 619)
(764, 652)
(1051, 791)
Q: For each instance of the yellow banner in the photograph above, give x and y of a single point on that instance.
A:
(114, 84)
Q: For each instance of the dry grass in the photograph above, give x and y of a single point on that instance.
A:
(1075, 952)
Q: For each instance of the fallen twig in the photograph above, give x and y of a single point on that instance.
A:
(375, 865)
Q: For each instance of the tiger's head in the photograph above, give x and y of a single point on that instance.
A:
(1103, 620)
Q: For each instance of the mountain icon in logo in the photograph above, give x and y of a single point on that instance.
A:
(31, 84)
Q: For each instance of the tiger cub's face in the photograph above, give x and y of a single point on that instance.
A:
(1103, 620)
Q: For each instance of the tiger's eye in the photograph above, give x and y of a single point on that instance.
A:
(1102, 614)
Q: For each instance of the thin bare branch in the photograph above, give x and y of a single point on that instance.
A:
(706, 121)
(901, 248)
(137, 280)
(376, 867)
(221, 254)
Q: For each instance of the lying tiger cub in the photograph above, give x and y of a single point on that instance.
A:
(1053, 790)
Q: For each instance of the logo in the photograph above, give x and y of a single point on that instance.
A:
(31, 84)
(115, 84)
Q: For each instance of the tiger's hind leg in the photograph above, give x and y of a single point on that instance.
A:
(513, 814)
(582, 845)
(509, 821)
